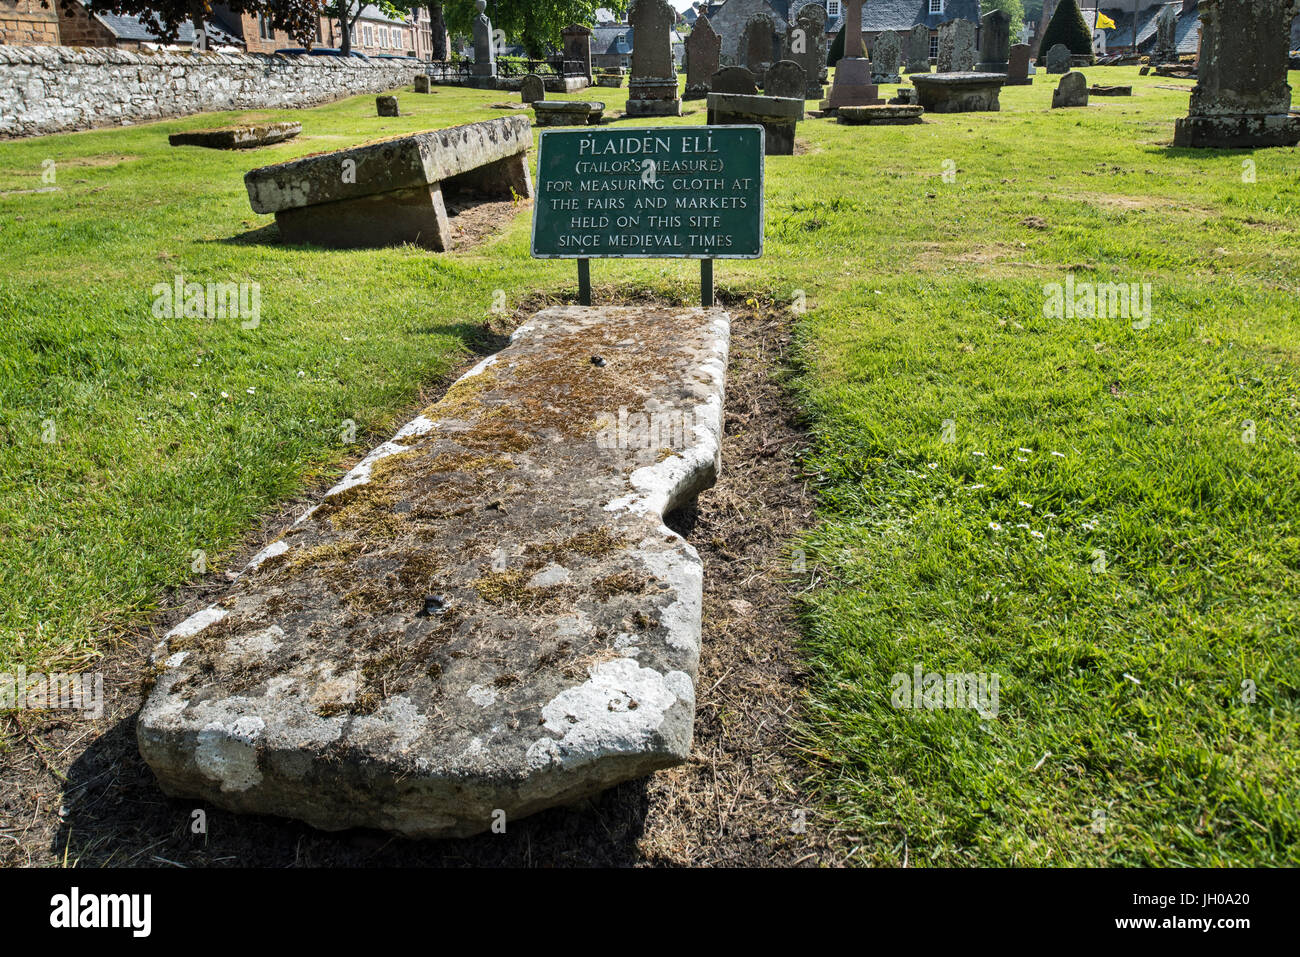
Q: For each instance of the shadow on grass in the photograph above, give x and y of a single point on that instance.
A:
(115, 815)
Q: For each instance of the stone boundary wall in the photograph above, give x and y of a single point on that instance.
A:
(48, 89)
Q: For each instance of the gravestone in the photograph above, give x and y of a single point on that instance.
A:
(1241, 98)
(956, 47)
(852, 86)
(995, 42)
(577, 47)
(1097, 90)
(785, 79)
(386, 105)
(1071, 91)
(1166, 48)
(968, 92)
(778, 116)
(1018, 65)
(1058, 59)
(568, 112)
(421, 83)
(485, 56)
(652, 88)
(532, 89)
(237, 137)
(805, 44)
(733, 79)
(918, 49)
(891, 114)
(702, 49)
(393, 191)
(886, 58)
(758, 43)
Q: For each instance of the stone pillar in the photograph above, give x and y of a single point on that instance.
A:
(1241, 99)
(485, 55)
(577, 46)
(852, 85)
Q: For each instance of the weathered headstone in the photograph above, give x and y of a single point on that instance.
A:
(577, 47)
(1058, 59)
(1098, 90)
(386, 105)
(733, 79)
(392, 191)
(1018, 65)
(568, 112)
(891, 114)
(1071, 91)
(1166, 48)
(422, 83)
(652, 88)
(532, 88)
(1241, 98)
(956, 46)
(995, 42)
(853, 86)
(968, 92)
(702, 49)
(758, 43)
(785, 79)
(778, 116)
(805, 44)
(918, 49)
(886, 58)
(485, 55)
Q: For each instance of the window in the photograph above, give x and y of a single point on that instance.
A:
(367, 35)
(264, 28)
(934, 46)
(936, 6)
(832, 8)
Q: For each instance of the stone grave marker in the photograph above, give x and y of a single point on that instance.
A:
(1058, 59)
(956, 47)
(785, 79)
(485, 56)
(702, 49)
(1018, 65)
(568, 112)
(1242, 99)
(1166, 47)
(733, 79)
(386, 105)
(805, 44)
(886, 58)
(758, 47)
(532, 89)
(918, 49)
(237, 137)
(652, 88)
(969, 92)
(995, 42)
(852, 85)
(577, 47)
(1071, 91)
(422, 84)
(778, 115)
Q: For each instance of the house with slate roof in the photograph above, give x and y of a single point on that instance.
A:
(878, 16)
(1120, 38)
(611, 46)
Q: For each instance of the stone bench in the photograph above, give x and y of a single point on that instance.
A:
(889, 115)
(959, 92)
(568, 112)
(392, 191)
(778, 115)
(237, 137)
(486, 615)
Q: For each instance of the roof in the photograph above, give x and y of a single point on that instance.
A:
(373, 14)
(127, 27)
(1185, 33)
(879, 16)
(605, 42)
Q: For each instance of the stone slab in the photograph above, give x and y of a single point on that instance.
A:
(778, 115)
(237, 137)
(486, 615)
(888, 115)
(966, 92)
(1097, 90)
(568, 112)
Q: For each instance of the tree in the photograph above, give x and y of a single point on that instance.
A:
(1067, 26)
(1015, 9)
(438, 27)
(346, 13)
(298, 18)
(535, 24)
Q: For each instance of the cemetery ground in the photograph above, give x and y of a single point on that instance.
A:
(923, 469)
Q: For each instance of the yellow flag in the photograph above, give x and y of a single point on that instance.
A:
(1104, 22)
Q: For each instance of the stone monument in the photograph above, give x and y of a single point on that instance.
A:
(532, 89)
(1018, 65)
(805, 44)
(1071, 91)
(577, 47)
(1166, 48)
(785, 78)
(1058, 59)
(485, 56)
(995, 42)
(652, 88)
(702, 49)
(758, 49)
(956, 47)
(918, 49)
(853, 86)
(1241, 99)
(886, 58)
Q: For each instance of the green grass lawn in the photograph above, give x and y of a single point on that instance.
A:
(1159, 563)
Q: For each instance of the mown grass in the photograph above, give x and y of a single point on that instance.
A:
(1123, 733)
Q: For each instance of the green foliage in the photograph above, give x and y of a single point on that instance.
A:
(1015, 9)
(1068, 26)
(534, 24)
(296, 17)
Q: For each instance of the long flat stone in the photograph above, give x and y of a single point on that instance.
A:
(486, 615)
(237, 137)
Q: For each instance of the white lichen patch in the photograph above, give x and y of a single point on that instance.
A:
(481, 696)
(246, 650)
(197, 622)
(277, 547)
(227, 753)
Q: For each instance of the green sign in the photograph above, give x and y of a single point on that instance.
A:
(667, 192)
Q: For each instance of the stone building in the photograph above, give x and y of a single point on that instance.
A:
(1120, 38)
(26, 23)
(612, 44)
